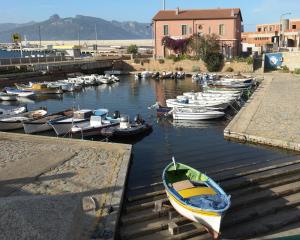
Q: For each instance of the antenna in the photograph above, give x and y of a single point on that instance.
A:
(164, 4)
(174, 162)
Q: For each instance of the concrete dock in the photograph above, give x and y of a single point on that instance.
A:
(272, 115)
(53, 188)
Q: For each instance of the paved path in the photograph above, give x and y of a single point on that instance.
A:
(92, 171)
(272, 115)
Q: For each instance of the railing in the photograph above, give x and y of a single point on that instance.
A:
(45, 60)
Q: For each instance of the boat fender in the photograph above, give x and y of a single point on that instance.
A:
(116, 114)
(138, 119)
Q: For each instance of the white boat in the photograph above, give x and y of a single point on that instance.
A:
(94, 126)
(174, 103)
(12, 112)
(113, 72)
(19, 93)
(196, 114)
(105, 79)
(41, 124)
(196, 196)
(8, 96)
(79, 119)
(16, 122)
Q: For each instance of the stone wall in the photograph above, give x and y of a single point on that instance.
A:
(291, 60)
(185, 65)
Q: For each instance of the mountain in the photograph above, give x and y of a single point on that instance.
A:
(10, 26)
(57, 28)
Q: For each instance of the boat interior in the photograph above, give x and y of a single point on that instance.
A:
(194, 188)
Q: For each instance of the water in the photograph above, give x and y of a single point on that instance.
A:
(199, 144)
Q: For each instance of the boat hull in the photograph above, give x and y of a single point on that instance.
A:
(10, 125)
(62, 128)
(123, 133)
(206, 218)
(202, 116)
(30, 128)
(90, 132)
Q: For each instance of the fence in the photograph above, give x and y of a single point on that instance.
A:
(30, 60)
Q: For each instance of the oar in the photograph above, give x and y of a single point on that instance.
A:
(174, 162)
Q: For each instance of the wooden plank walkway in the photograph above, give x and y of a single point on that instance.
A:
(265, 200)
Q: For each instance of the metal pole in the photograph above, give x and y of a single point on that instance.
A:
(40, 38)
(96, 35)
(79, 37)
(164, 4)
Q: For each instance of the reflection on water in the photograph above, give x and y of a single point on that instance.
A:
(200, 144)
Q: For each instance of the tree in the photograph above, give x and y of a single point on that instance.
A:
(207, 48)
(132, 49)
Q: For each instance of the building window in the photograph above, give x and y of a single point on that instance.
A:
(222, 29)
(265, 29)
(294, 26)
(166, 30)
(259, 29)
(183, 29)
(271, 29)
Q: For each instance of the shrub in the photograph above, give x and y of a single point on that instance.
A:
(137, 61)
(161, 61)
(195, 69)
(229, 69)
(132, 49)
(297, 71)
(250, 60)
(285, 69)
(214, 62)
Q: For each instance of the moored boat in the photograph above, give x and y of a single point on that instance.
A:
(195, 196)
(8, 96)
(64, 126)
(19, 93)
(16, 122)
(41, 88)
(173, 103)
(196, 114)
(127, 129)
(41, 124)
(12, 112)
(92, 127)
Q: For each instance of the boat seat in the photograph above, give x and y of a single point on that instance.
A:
(181, 185)
(196, 191)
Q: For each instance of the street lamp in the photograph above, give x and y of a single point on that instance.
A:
(280, 28)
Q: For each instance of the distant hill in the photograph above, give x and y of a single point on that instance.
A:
(56, 28)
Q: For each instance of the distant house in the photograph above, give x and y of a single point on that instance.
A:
(285, 34)
(180, 24)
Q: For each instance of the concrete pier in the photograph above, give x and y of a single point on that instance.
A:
(75, 187)
(272, 115)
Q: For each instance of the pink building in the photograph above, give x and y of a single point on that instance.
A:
(180, 24)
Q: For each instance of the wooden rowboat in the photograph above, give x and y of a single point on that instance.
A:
(195, 196)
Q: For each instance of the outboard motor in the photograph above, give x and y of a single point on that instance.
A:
(138, 119)
(116, 114)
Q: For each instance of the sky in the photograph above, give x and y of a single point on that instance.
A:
(253, 11)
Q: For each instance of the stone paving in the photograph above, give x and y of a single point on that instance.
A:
(272, 115)
(92, 171)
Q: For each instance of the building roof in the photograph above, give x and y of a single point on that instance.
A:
(197, 14)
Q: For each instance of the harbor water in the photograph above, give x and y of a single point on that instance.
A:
(200, 144)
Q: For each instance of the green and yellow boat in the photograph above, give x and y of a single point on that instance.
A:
(195, 196)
